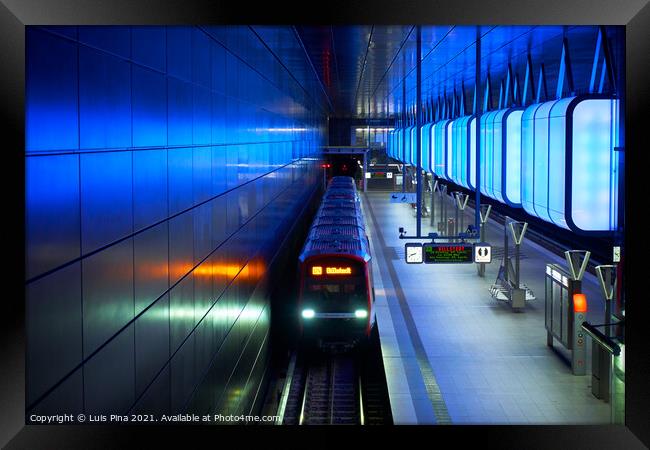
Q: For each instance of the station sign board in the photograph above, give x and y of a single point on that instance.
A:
(455, 253)
(379, 174)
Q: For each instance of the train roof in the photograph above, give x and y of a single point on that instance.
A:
(335, 193)
(339, 220)
(345, 231)
(342, 179)
(335, 245)
(338, 228)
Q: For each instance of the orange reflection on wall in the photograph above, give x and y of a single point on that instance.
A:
(253, 270)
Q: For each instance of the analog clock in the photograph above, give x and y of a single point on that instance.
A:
(413, 253)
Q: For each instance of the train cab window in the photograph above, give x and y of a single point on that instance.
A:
(320, 287)
(350, 291)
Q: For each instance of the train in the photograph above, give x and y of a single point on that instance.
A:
(336, 296)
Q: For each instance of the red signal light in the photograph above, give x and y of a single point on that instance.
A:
(579, 303)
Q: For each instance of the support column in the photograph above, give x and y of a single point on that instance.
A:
(365, 170)
(418, 134)
(477, 102)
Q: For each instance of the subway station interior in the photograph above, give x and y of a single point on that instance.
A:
(388, 224)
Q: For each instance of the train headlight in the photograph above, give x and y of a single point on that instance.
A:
(361, 314)
(308, 313)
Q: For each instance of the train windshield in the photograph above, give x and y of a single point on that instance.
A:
(336, 286)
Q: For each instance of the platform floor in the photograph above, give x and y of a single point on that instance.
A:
(454, 355)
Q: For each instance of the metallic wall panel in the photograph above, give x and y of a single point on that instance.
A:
(218, 220)
(104, 100)
(218, 65)
(149, 106)
(150, 203)
(232, 171)
(219, 174)
(106, 198)
(116, 40)
(67, 397)
(109, 377)
(202, 232)
(179, 113)
(180, 179)
(107, 294)
(179, 52)
(63, 30)
(156, 398)
(203, 349)
(181, 243)
(202, 290)
(219, 110)
(53, 329)
(232, 212)
(148, 47)
(218, 121)
(182, 376)
(151, 343)
(181, 311)
(201, 173)
(200, 58)
(51, 212)
(51, 86)
(150, 265)
(202, 122)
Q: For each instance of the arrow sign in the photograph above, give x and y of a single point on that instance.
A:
(482, 253)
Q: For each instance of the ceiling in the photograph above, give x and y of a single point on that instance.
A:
(364, 70)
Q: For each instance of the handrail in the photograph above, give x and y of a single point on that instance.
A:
(606, 342)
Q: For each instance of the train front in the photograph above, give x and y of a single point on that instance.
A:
(335, 300)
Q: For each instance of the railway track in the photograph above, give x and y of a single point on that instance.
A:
(334, 389)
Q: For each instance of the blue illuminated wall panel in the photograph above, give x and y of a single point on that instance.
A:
(461, 151)
(179, 111)
(569, 165)
(164, 167)
(512, 170)
(51, 86)
(408, 146)
(426, 146)
(501, 155)
(53, 192)
(439, 138)
(104, 100)
(149, 108)
(149, 47)
(414, 146)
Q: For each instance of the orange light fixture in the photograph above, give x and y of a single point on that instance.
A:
(579, 303)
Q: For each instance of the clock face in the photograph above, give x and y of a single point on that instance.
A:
(413, 253)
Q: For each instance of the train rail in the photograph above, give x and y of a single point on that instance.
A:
(335, 389)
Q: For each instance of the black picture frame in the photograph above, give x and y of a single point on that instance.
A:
(15, 14)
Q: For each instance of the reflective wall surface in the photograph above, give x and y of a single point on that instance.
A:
(164, 167)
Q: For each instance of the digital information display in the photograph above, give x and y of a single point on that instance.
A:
(448, 253)
(318, 270)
